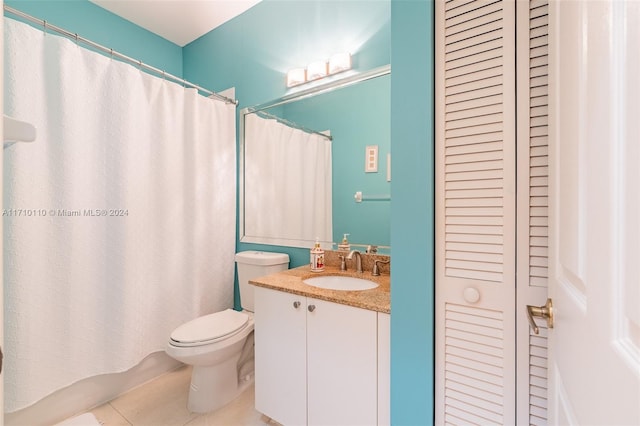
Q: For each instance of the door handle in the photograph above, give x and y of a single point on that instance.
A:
(545, 311)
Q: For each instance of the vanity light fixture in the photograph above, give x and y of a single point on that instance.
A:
(296, 76)
(339, 62)
(319, 69)
(316, 70)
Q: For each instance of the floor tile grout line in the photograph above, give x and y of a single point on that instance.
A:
(193, 419)
(121, 415)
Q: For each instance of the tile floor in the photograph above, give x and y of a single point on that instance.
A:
(163, 402)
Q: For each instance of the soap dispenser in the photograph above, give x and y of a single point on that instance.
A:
(344, 245)
(317, 257)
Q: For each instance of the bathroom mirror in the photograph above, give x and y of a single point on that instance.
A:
(291, 173)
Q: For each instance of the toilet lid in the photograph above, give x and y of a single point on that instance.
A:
(210, 327)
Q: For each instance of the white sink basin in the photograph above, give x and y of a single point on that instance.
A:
(338, 282)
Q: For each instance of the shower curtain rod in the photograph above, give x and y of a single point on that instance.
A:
(113, 53)
(292, 124)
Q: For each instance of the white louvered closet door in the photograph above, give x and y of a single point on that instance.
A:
(533, 167)
(475, 212)
(479, 241)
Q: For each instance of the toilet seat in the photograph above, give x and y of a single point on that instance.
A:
(209, 328)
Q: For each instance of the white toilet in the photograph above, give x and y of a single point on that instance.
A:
(219, 346)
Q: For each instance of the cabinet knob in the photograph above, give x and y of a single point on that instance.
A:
(296, 304)
(471, 295)
(312, 308)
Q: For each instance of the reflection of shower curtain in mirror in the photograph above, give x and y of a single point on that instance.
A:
(287, 182)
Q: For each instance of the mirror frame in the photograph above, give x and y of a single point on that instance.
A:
(292, 97)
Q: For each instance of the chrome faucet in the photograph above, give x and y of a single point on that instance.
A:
(376, 268)
(358, 259)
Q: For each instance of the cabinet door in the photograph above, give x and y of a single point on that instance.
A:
(341, 364)
(384, 369)
(280, 336)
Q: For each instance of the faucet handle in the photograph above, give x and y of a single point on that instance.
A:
(376, 269)
(343, 263)
(371, 249)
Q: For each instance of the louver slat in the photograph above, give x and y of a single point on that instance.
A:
(474, 193)
(473, 157)
(455, 167)
(473, 67)
(484, 101)
(483, 230)
(475, 202)
(464, 81)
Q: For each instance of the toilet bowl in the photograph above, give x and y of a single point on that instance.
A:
(212, 344)
(219, 346)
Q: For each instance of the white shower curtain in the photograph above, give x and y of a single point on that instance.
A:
(119, 219)
(288, 194)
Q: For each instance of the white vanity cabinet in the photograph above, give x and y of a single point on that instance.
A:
(384, 369)
(316, 361)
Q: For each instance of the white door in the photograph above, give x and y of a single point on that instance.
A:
(532, 29)
(594, 263)
(1, 233)
(475, 212)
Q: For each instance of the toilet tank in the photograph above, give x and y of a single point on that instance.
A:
(254, 264)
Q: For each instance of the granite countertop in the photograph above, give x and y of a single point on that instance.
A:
(290, 281)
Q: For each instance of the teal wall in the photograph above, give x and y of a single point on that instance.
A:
(253, 52)
(103, 27)
(412, 215)
(255, 58)
(357, 116)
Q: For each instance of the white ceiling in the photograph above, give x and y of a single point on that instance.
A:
(179, 21)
